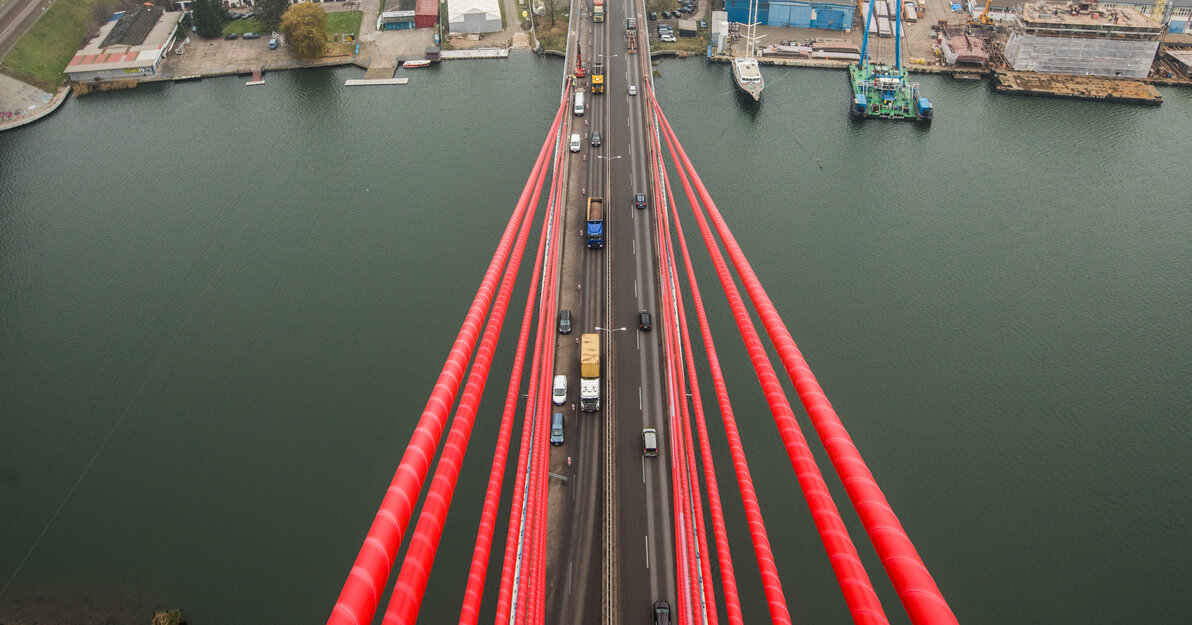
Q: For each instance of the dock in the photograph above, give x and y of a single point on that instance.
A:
(478, 53)
(1077, 87)
(366, 82)
(258, 77)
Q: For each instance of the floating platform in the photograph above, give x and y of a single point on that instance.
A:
(478, 53)
(885, 92)
(1077, 87)
(367, 82)
(257, 77)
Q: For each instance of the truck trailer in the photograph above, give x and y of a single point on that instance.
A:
(595, 227)
(589, 372)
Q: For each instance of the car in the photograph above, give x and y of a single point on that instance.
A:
(233, 15)
(649, 442)
(703, 23)
(630, 23)
(661, 613)
(668, 38)
(666, 15)
(251, 36)
(632, 89)
(575, 142)
(231, 36)
(559, 394)
(564, 322)
(273, 42)
(653, 16)
(595, 138)
(643, 320)
(556, 428)
(639, 200)
(248, 15)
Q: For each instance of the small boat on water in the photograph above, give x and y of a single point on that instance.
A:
(415, 64)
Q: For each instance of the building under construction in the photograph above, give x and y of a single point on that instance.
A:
(1082, 38)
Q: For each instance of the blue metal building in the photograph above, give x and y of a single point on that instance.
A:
(794, 14)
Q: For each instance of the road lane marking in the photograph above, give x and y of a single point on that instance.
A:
(643, 469)
(647, 551)
(639, 398)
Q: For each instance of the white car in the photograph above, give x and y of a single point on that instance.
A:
(575, 143)
(559, 395)
(632, 89)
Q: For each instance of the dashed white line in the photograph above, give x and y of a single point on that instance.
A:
(639, 398)
(647, 551)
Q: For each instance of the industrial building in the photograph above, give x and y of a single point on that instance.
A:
(473, 16)
(828, 15)
(1177, 14)
(1083, 39)
(130, 45)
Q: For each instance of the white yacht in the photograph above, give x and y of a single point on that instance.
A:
(746, 71)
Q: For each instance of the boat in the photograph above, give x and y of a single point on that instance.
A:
(746, 71)
(415, 64)
(885, 91)
(748, 77)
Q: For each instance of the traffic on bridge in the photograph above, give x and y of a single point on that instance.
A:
(614, 490)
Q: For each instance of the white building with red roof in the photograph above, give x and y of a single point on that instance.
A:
(131, 45)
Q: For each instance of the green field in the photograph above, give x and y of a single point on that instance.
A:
(344, 22)
(41, 55)
(338, 22)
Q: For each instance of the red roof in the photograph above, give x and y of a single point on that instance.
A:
(427, 7)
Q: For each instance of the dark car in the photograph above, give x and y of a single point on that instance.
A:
(639, 200)
(564, 322)
(251, 36)
(666, 15)
(643, 320)
(654, 16)
(231, 36)
(596, 138)
(661, 613)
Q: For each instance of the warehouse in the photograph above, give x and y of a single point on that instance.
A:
(130, 45)
(1088, 40)
(473, 16)
(826, 15)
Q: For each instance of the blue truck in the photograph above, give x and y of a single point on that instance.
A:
(595, 231)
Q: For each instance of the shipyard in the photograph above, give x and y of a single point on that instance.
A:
(1109, 52)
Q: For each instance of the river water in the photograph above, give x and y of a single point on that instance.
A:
(222, 310)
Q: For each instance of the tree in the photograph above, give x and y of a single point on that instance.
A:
(269, 13)
(208, 18)
(305, 28)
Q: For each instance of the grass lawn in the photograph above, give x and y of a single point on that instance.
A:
(344, 22)
(338, 22)
(44, 51)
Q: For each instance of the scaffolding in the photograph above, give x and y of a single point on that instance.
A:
(1081, 39)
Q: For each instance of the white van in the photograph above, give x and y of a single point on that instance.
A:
(575, 143)
(579, 102)
(559, 395)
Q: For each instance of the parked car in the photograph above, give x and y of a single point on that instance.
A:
(251, 36)
(643, 320)
(666, 15)
(654, 16)
(595, 138)
(649, 442)
(668, 38)
(273, 43)
(703, 23)
(639, 200)
(247, 15)
(564, 322)
(231, 36)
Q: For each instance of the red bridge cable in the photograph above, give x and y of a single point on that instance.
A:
(696, 503)
(515, 548)
(362, 590)
(703, 601)
(916, 588)
(842, 554)
(410, 586)
(474, 592)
